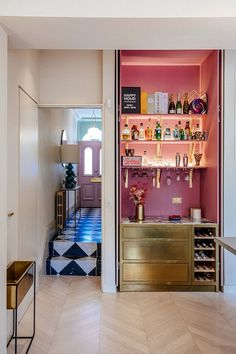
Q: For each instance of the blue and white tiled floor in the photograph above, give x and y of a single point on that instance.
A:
(77, 251)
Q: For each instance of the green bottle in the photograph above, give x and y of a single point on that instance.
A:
(158, 131)
(178, 104)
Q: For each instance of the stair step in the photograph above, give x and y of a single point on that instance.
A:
(69, 249)
(73, 266)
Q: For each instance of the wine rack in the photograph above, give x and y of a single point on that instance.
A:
(205, 256)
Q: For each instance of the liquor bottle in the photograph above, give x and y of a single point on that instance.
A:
(187, 131)
(158, 131)
(144, 158)
(181, 131)
(148, 133)
(171, 108)
(126, 133)
(178, 104)
(176, 132)
(141, 132)
(134, 133)
(185, 104)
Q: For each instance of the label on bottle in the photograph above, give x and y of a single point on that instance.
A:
(178, 110)
(172, 111)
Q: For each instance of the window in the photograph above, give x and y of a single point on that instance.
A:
(93, 134)
(88, 161)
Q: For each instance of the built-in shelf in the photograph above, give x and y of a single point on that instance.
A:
(163, 116)
(204, 270)
(165, 168)
(203, 238)
(204, 260)
(162, 141)
(204, 248)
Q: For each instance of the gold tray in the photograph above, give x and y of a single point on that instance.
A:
(19, 281)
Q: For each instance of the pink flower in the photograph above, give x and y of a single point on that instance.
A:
(138, 192)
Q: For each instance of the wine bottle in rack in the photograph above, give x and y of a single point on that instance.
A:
(186, 105)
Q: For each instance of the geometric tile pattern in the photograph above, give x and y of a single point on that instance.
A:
(77, 251)
(73, 316)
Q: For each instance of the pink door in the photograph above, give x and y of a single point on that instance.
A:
(89, 173)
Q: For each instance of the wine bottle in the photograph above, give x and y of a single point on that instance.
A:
(178, 104)
(171, 109)
(185, 104)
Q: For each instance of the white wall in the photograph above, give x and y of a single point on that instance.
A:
(122, 8)
(3, 190)
(51, 123)
(70, 77)
(23, 69)
(229, 164)
(108, 190)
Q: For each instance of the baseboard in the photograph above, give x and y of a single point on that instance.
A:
(108, 288)
(229, 289)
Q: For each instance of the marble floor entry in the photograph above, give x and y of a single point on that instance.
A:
(73, 316)
(78, 250)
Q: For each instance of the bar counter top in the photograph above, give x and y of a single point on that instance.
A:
(155, 220)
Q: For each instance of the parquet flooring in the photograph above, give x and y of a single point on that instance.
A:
(74, 317)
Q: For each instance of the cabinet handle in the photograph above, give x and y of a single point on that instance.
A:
(10, 213)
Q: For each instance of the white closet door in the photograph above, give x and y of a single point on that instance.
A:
(28, 178)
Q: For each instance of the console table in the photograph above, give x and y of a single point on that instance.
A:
(229, 243)
(75, 191)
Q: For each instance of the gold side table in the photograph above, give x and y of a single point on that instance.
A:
(21, 276)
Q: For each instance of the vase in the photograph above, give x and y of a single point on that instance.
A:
(197, 158)
(139, 212)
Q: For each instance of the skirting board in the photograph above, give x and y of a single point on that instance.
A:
(229, 289)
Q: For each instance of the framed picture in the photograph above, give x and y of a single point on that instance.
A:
(130, 100)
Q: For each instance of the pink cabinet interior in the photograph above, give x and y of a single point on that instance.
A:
(172, 72)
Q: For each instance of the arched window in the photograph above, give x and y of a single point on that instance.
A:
(88, 161)
(93, 134)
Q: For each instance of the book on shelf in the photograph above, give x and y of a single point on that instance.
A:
(144, 97)
(150, 104)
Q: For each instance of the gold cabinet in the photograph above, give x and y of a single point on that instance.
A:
(160, 257)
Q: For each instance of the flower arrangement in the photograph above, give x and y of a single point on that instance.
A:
(138, 193)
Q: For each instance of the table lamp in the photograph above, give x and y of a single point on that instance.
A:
(70, 154)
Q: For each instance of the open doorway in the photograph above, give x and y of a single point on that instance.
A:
(76, 249)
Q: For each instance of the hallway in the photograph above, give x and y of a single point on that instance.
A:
(75, 317)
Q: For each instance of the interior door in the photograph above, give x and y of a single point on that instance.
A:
(90, 173)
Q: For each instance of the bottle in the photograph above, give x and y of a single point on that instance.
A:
(177, 159)
(158, 131)
(126, 133)
(141, 132)
(148, 133)
(178, 104)
(144, 159)
(209, 233)
(171, 109)
(185, 160)
(185, 104)
(134, 133)
(187, 131)
(181, 131)
(176, 132)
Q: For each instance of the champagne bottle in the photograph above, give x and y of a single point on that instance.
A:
(178, 104)
(186, 105)
(171, 109)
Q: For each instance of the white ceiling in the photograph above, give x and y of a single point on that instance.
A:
(120, 33)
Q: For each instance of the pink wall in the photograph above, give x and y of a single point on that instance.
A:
(159, 201)
(210, 176)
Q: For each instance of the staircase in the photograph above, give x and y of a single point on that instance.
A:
(78, 250)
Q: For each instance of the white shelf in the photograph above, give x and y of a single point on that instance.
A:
(162, 141)
(162, 116)
(167, 168)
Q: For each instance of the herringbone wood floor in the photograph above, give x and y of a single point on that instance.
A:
(74, 317)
